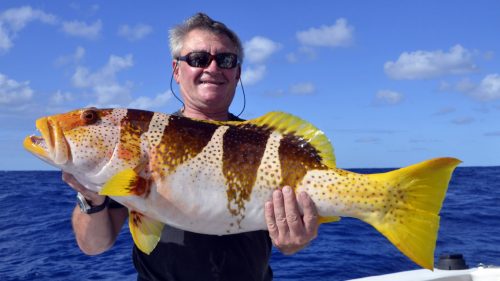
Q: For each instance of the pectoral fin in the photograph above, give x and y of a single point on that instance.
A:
(146, 232)
(124, 183)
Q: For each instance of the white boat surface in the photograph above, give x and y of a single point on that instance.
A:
(480, 273)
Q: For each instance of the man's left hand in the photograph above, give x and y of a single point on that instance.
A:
(289, 230)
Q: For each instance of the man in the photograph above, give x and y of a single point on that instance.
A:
(206, 64)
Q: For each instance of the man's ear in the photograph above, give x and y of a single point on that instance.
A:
(175, 69)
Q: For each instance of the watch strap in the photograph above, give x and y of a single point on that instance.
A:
(87, 208)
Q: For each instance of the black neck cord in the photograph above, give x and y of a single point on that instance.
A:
(172, 90)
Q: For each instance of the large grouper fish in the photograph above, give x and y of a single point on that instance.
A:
(215, 177)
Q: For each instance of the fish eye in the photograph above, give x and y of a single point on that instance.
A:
(89, 116)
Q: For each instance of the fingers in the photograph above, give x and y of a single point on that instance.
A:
(291, 209)
(271, 221)
(71, 181)
(280, 213)
(310, 217)
(90, 195)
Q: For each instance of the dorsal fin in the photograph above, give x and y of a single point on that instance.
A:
(289, 124)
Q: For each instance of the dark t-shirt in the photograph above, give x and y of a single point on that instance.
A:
(184, 255)
(193, 256)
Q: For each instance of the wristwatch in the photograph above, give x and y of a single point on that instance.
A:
(85, 206)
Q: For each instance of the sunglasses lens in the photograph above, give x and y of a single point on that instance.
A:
(226, 60)
(198, 59)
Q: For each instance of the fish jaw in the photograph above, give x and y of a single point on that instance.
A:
(51, 146)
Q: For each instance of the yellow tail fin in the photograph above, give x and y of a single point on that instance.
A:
(412, 223)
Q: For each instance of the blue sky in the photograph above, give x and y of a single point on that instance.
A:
(390, 82)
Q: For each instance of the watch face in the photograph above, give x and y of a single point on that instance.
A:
(86, 208)
(82, 203)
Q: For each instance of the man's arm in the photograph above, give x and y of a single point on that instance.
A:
(289, 230)
(95, 233)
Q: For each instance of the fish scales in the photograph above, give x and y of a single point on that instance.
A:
(215, 177)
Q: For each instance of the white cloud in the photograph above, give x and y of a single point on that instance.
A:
(292, 58)
(252, 75)
(259, 48)
(82, 29)
(87, 10)
(59, 98)
(103, 82)
(387, 97)
(79, 53)
(463, 120)
(444, 86)
(338, 35)
(492, 134)
(13, 92)
(444, 111)
(134, 33)
(464, 85)
(305, 52)
(489, 55)
(488, 89)
(14, 20)
(275, 93)
(426, 64)
(5, 40)
(368, 140)
(303, 88)
(150, 103)
(73, 58)
(17, 18)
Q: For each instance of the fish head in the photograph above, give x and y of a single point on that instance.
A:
(80, 140)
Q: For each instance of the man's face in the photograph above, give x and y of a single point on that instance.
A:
(210, 89)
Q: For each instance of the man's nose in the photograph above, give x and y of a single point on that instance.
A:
(212, 66)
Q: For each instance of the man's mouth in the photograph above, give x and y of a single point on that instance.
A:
(212, 82)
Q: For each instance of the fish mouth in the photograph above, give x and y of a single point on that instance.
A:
(51, 146)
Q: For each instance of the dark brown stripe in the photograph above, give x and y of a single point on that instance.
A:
(297, 156)
(182, 139)
(133, 125)
(242, 154)
(138, 119)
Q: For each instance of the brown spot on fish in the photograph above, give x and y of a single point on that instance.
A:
(182, 139)
(136, 218)
(297, 157)
(141, 187)
(133, 125)
(243, 149)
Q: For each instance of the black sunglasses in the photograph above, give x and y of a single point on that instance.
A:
(203, 59)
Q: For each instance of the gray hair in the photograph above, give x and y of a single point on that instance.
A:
(203, 22)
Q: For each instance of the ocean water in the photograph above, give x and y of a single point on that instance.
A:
(37, 243)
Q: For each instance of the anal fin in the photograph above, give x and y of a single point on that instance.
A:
(145, 231)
